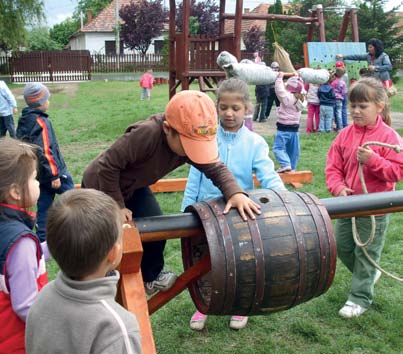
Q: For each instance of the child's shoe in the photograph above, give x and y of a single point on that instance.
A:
(198, 321)
(164, 282)
(238, 322)
(284, 169)
(350, 310)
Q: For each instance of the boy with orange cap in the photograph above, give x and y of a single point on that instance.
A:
(146, 152)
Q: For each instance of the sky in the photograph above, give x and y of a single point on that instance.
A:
(58, 10)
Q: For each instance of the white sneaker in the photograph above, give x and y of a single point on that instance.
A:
(164, 282)
(238, 322)
(377, 276)
(350, 310)
(198, 321)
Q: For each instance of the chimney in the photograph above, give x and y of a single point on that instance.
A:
(246, 10)
(89, 15)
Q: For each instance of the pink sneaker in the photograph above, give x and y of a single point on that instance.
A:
(198, 321)
(238, 322)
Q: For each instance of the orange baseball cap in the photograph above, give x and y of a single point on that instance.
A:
(194, 116)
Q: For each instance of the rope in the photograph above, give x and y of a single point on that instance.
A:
(273, 31)
(356, 236)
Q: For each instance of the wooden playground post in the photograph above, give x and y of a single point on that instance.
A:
(131, 292)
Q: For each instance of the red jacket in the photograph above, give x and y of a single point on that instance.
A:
(382, 170)
(147, 80)
(15, 225)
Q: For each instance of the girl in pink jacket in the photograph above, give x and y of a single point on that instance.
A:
(286, 146)
(146, 84)
(382, 168)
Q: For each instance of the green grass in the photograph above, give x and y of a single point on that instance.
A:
(88, 117)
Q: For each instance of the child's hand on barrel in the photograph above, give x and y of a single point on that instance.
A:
(245, 206)
(126, 215)
(345, 192)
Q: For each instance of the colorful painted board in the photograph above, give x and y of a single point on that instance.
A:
(323, 54)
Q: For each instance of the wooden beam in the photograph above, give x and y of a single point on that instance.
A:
(179, 184)
(354, 25)
(190, 275)
(344, 25)
(321, 21)
(131, 292)
(272, 17)
(238, 29)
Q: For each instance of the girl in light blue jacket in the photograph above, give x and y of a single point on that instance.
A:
(244, 152)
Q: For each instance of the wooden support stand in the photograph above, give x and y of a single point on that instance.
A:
(131, 292)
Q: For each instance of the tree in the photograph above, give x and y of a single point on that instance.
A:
(193, 26)
(14, 16)
(143, 21)
(298, 31)
(39, 39)
(272, 27)
(254, 39)
(61, 32)
(375, 23)
(206, 14)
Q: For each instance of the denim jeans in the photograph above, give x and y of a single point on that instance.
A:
(326, 118)
(7, 124)
(352, 256)
(338, 107)
(286, 148)
(344, 115)
(46, 199)
(145, 93)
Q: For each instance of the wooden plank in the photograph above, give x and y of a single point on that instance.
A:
(169, 185)
(179, 184)
(131, 292)
(132, 250)
(192, 274)
(134, 299)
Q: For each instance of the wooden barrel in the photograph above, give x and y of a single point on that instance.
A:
(283, 258)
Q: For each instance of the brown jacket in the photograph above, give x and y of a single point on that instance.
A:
(140, 157)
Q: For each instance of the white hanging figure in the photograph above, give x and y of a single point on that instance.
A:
(314, 76)
(247, 70)
(258, 74)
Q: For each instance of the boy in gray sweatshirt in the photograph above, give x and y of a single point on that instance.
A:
(77, 312)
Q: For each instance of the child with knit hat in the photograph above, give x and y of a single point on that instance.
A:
(286, 146)
(150, 149)
(34, 127)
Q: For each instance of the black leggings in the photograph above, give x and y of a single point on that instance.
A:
(143, 203)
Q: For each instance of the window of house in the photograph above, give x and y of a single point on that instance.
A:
(110, 47)
(158, 45)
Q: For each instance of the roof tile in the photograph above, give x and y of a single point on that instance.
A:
(105, 20)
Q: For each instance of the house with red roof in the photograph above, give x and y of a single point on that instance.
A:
(98, 34)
